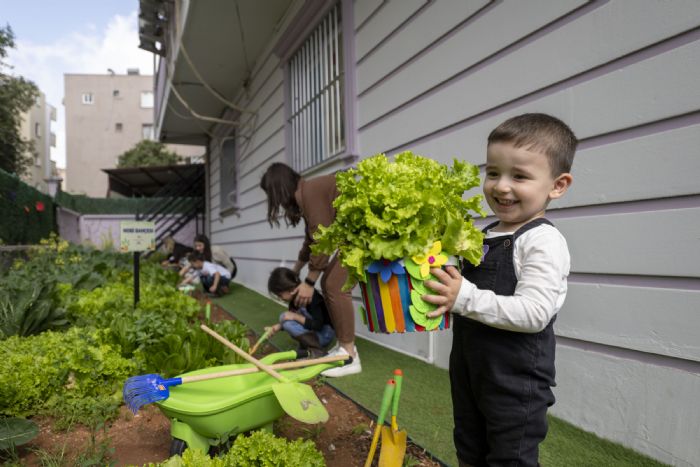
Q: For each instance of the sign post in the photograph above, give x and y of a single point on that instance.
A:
(137, 236)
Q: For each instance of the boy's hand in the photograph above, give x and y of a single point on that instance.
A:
(447, 290)
(212, 289)
(273, 329)
(290, 316)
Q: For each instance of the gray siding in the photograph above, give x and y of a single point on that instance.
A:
(436, 77)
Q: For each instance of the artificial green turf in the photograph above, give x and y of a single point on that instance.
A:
(425, 411)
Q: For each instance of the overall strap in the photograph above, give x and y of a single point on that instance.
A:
(531, 225)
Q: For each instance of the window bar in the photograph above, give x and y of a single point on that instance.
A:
(307, 91)
(320, 156)
(337, 80)
(295, 110)
(324, 94)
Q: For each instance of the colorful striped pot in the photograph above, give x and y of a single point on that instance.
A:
(387, 304)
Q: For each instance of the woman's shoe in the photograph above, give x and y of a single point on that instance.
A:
(345, 370)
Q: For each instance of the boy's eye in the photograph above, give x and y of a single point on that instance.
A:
(491, 174)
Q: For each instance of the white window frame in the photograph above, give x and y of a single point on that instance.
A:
(88, 98)
(147, 99)
(320, 87)
(228, 177)
(150, 135)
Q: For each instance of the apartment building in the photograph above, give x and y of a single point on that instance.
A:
(36, 127)
(106, 115)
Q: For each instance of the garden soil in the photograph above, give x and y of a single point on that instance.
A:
(344, 439)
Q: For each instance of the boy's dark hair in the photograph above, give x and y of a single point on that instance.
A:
(282, 280)
(196, 256)
(541, 132)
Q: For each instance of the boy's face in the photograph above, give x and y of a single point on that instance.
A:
(518, 184)
(286, 296)
(197, 264)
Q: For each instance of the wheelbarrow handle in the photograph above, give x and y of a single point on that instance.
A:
(276, 366)
(242, 353)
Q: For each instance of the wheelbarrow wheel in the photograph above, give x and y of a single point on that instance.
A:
(177, 447)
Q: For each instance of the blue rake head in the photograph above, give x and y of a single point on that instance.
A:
(145, 389)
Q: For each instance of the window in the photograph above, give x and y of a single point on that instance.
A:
(37, 129)
(147, 131)
(147, 99)
(316, 118)
(118, 127)
(228, 177)
(115, 93)
(88, 98)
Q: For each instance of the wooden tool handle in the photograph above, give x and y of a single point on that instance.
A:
(242, 353)
(276, 366)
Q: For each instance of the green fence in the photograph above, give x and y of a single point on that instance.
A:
(86, 205)
(26, 214)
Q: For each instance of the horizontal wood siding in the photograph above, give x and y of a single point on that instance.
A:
(436, 77)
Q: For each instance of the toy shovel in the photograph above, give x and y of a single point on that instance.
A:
(262, 339)
(386, 401)
(298, 400)
(393, 440)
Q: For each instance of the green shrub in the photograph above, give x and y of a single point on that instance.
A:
(43, 373)
(261, 448)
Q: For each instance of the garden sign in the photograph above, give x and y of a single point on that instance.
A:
(137, 236)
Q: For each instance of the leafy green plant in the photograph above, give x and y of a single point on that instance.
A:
(264, 448)
(46, 372)
(393, 210)
(30, 310)
(16, 431)
(261, 448)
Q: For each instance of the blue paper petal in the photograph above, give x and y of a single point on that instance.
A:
(375, 267)
(396, 268)
(385, 274)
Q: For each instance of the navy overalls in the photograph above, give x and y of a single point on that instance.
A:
(501, 380)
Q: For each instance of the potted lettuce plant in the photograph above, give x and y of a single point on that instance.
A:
(394, 221)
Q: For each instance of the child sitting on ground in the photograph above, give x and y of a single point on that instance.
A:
(214, 277)
(310, 325)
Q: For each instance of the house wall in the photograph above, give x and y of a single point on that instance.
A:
(435, 77)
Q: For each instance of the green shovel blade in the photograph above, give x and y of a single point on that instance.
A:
(300, 402)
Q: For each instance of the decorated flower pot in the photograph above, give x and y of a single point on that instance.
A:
(392, 292)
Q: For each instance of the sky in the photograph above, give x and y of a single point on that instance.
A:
(71, 36)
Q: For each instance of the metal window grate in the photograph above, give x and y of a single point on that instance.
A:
(317, 120)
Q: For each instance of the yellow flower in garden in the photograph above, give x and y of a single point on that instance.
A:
(434, 258)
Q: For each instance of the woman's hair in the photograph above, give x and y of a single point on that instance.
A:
(279, 182)
(282, 280)
(201, 238)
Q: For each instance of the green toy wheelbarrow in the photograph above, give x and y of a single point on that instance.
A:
(207, 413)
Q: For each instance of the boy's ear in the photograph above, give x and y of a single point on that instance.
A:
(561, 184)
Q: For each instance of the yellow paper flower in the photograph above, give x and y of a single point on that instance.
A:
(432, 259)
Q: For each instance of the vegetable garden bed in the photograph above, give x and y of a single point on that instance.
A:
(70, 337)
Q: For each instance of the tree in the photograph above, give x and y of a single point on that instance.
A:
(17, 95)
(147, 153)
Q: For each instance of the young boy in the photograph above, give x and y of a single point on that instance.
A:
(502, 359)
(214, 277)
(310, 325)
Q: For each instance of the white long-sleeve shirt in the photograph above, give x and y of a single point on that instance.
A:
(541, 261)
